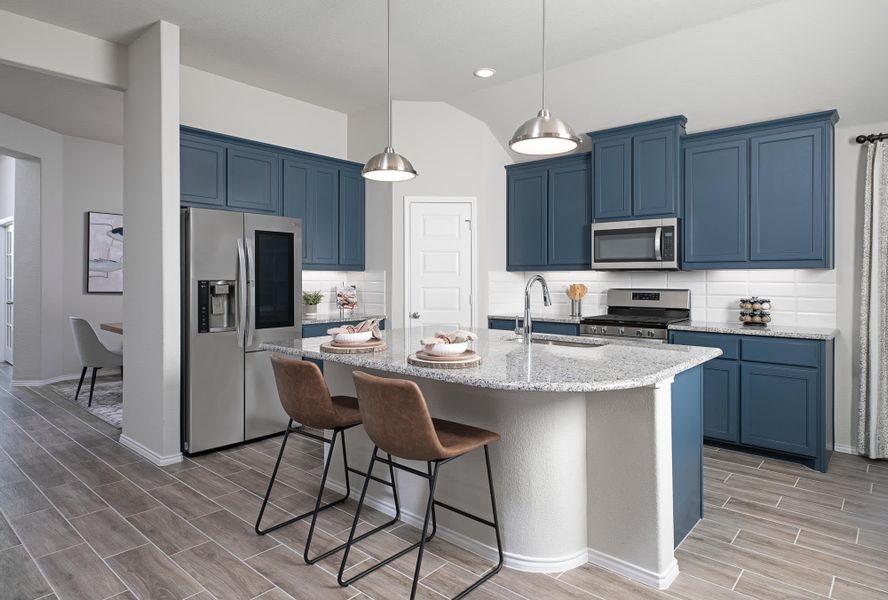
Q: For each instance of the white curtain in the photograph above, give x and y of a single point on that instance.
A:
(872, 439)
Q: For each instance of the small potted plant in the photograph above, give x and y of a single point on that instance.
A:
(310, 300)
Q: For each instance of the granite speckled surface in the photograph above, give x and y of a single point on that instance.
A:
(335, 318)
(785, 331)
(540, 318)
(590, 365)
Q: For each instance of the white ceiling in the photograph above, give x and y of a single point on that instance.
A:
(63, 105)
(332, 52)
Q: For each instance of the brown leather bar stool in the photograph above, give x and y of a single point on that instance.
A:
(306, 400)
(398, 422)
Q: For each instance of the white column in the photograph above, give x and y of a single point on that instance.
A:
(151, 233)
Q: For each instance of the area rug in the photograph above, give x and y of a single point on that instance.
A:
(107, 402)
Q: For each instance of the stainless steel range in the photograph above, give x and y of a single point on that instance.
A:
(639, 313)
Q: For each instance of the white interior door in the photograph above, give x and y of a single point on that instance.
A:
(8, 234)
(440, 263)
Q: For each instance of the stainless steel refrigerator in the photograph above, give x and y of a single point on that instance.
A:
(241, 286)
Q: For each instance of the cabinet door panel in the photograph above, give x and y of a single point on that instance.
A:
(570, 215)
(323, 214)
(295, 199)
(253, 180)
(778, 408)
(716, 202)
(654, 174)
(613, 178)
(527, 217)
(721, 400)
(351, 219)
(202, 168)
(786, 196)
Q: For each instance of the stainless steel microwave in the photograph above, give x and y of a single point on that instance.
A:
(647, 244)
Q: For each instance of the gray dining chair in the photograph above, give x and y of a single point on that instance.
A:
(93, 354)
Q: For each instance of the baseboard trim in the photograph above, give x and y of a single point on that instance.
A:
(146, 452)
(39, 382)
(845, 449)
(531, 564)
(660, 581)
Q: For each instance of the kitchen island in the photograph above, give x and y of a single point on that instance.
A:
(601, 451)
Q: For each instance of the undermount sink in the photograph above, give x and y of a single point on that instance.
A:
(545, 342)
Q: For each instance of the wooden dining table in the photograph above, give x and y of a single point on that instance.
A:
(112, 327)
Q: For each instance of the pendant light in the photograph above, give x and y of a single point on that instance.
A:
(388, 165)
(544, 134)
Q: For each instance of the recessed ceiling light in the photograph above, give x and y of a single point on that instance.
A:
(484, 72)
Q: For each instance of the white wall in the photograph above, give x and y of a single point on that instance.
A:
(38, 270)
(93, 181)
(7, 186)
(223, 105)
(455, 154)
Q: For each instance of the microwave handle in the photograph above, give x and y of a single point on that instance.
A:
(658, 243)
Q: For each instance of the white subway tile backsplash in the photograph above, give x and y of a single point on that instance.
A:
(804, 297)
(370, 285)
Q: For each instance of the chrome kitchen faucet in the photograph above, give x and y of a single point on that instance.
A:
(547, 301)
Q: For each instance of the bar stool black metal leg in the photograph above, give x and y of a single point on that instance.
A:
(351, 533)
(271, 481)
(430, 509)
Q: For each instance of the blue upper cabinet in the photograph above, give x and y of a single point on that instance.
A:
(295, 197)
(760, 196)
(527, 216)
(253, 179)
(549, 214)
(637, 171)
(351, 219)
(716, 190)
(613, 178)
(323, 215)
(786, 204)
(202, 167)
(327, 194)
(569, 215)
(655, 172)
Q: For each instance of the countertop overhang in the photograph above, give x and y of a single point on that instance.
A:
(508, 364)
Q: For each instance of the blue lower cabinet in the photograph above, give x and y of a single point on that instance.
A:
(721, 400)
(538, 326)
(768, 394)
(687, 452)
(778, 408)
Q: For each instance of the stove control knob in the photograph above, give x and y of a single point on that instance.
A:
(638, 333)
(621, 331)
(603, 329)
(649, 333)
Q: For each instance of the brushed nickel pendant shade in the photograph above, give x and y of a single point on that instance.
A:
(544, 134)
(388, 165)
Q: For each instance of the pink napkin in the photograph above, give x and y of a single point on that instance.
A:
(452, 337)
(371, 325)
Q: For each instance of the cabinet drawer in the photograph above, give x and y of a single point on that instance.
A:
(728, 344)
(802, 353)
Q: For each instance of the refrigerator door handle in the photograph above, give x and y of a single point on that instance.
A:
(250, 327)
(241, 292)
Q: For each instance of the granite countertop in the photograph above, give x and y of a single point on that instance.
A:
(540, 318)
(785, 331)
(510, 365)
(335, 318)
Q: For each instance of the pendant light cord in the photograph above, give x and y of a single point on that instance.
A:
(544, 55)
(388, 64)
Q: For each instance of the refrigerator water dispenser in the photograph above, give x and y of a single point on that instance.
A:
(215, 306)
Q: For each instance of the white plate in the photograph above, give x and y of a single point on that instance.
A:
(447, 349)
(353, 338)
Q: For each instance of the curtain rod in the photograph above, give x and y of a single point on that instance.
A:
(873, 137)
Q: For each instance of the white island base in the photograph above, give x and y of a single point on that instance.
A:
(579, 477)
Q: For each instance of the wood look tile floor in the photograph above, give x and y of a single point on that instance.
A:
(83, 517)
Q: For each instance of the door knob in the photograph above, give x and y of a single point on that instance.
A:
(414, 315)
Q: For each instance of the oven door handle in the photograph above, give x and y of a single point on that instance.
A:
(658, 243)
